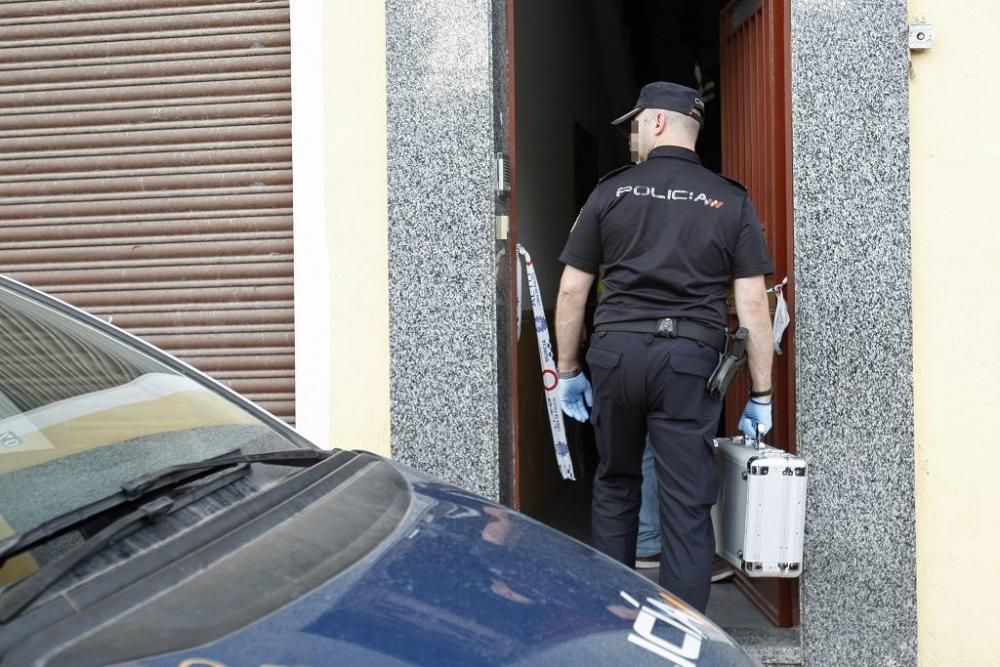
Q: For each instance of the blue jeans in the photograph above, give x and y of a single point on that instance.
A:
(649, 513)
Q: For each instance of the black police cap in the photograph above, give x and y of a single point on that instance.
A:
(670, 97)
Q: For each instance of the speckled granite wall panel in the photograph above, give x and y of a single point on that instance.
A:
(442, 265)
(854, 337)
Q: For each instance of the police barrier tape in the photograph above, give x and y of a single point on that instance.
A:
(550, 378)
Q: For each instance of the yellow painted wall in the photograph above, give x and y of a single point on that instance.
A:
(955, 163)
(357, 222)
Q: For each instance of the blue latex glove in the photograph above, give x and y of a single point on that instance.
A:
(576, 397)
(756, 419)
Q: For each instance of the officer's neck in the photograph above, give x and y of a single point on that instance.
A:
(671, 143)
(676, 142)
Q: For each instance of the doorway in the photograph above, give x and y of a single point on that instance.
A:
(575, 65)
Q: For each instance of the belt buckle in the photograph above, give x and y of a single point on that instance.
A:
(665, 328)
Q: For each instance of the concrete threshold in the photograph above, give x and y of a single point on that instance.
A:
(731, 609)
(772, 646)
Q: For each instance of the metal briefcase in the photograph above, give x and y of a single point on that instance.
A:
(760, 515)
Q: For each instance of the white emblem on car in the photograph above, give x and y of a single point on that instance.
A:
(643, 635)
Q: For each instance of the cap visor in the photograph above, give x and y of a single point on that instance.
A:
(630, 115)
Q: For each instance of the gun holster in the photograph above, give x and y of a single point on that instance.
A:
(730, 363)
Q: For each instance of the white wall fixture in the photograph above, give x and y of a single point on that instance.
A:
(921, 36)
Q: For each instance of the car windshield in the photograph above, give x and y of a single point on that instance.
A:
(81, 412)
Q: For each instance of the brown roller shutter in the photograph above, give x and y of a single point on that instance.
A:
(146, 176)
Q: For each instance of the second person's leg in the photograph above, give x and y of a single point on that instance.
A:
(647, 551)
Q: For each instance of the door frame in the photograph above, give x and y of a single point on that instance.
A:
(513, 268)
(786, 612)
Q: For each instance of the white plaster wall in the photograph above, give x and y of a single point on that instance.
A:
(312, 266)
(956, 262)
(357, 222)
(341, 223)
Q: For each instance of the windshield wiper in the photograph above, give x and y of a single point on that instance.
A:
(57, 525)
(22, 594)
(133, 490)
(302, 458)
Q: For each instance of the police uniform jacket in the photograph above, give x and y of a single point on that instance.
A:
(670, 236)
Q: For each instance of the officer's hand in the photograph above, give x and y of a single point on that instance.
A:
(576, 397)
(756, 419)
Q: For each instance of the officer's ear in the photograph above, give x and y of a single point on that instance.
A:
(659, 123)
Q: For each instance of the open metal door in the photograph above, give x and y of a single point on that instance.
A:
(756, 150)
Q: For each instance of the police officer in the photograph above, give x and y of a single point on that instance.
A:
(671, 238)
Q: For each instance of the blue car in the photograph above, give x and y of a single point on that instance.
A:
(150, 516)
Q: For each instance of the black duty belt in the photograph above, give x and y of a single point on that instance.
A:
(671, 327)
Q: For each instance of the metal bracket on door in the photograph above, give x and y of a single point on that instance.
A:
(503, 192)
(503, 175)
(503, 227)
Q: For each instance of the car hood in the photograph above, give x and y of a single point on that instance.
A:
(457, 581)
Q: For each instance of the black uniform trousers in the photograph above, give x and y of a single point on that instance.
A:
(644, 384)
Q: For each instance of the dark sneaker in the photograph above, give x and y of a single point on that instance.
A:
(647, 562)
(721, 570)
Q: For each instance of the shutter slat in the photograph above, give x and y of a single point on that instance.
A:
(275, 373)
(138, 95)
(226, 358)
(191, 47)
(212, 302)
(127, 228)
(271, 160)
(207, 202)
(145, 175)
(122, 266)
(218, 362)
(117, 240)
(228, 341)
(257, 319)
(153, 118)
(54, 70)
(136, 24)
(148, 275)
(63, 10)
(89, 189)
(147, 254)
(119, 142)
(171, 218)
(157, 72)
